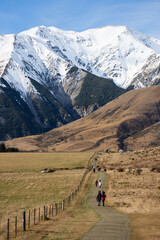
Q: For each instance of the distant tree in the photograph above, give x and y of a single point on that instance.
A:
(2, 147)
(12, 150)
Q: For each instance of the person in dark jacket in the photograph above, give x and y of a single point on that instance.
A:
(99, 196)
(96, 183)
(103, 197)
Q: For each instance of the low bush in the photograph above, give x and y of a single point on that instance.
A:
(120, 169)
(111, 168)
(138, 171)
(155, 169)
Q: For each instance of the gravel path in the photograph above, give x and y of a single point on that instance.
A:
(113, 225)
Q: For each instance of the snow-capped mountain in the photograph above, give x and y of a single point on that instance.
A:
(57, 62)
(44, 53)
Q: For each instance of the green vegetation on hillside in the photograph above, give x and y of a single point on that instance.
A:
(16, 119)
(97, 90)
(3, 148)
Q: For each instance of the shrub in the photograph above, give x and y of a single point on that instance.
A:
(12, 150)
(158, 169)
(120, 169)
(138, 171)
(111, 168)
(4, 149)
(155, 169)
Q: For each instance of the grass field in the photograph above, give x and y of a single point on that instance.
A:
(24, 186)
(134, 188)
(35, 162)
(73, 223)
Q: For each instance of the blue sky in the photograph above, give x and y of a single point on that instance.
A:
(80, 15)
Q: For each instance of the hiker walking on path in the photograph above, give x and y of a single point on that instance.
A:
(99, 196)
(96, 183)
(103, 197)
(112, 225)
(100, 183)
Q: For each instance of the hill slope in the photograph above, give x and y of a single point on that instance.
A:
(108, 127)
(41, 111)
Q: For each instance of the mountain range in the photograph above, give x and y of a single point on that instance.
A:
(50, 77)
(129, 122)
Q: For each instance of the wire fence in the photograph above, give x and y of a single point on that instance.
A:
(28, 218)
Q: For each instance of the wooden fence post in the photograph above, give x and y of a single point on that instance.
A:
(44, 213)
(59, 207)
(39, 215)
(55, 208)
(8, 229)
(46, 208)
(24, 221)
(29, 219)
(63, 205)
(49, 210)
(34, 216)
(15, 226)
(52, 210)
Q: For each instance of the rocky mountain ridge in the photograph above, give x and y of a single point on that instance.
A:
(45, 72)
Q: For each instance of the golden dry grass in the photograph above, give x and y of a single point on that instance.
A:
(148, 137)
(24, 186)
(145, 226)
(35, 162)
(73, 223)
(136, 192)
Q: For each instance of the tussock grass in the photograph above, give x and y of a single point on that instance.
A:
(144, 226)
(23, 186)
(135, 190)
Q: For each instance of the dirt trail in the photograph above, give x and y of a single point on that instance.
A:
(113, 225)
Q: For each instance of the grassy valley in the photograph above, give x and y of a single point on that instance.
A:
(131, 122)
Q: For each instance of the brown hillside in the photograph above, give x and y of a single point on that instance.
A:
(113, 124)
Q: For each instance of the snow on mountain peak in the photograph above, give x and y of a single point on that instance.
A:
(45, 53)
(6, 48)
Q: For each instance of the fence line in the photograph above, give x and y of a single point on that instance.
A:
(40, 214)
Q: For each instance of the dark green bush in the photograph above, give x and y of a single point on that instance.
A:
(4, 149)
